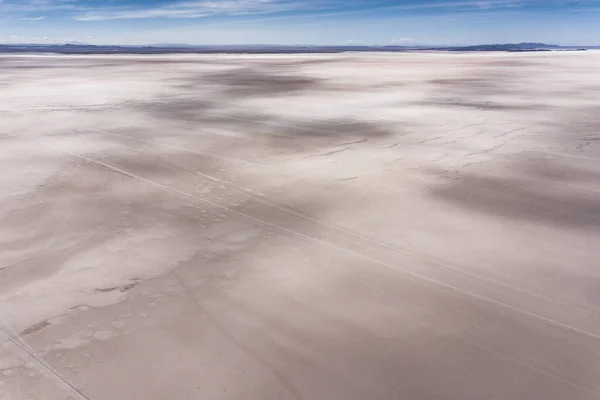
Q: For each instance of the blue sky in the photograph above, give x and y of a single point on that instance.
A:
(434, 22)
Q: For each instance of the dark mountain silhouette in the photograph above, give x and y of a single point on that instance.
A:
(527, 46)
(80, 48)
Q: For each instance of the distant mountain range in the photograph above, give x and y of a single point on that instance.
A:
(527, 46)
(174, 48)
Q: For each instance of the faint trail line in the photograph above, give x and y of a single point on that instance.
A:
(274, 123)
(575, 156)
(43, 364)
(324, 243)
(363, 140)
(535, 368)
(168, 145)
(16, 262)
(167, 161)
(273, 204)
(510, 131)
(404, 340)
(359, 255)
(295, 137)
(122, 105)
(176, 147)
(282, 380)
(329, 153)
(245, 139)
(532, 183)
(430, 139)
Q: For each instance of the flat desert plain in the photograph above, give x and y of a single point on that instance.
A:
(306, 227)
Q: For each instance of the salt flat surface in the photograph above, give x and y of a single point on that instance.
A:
(354, 226)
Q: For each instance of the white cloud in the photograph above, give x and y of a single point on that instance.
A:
(139, 14)
(17, 39)
(40, 5)
(81, 10)
(402, 40)
(197, 9)
(473, 4)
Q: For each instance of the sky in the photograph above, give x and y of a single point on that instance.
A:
(317, 22)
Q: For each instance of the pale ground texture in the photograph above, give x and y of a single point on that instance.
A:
(316, 227)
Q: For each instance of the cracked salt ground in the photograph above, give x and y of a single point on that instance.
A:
(382, 226)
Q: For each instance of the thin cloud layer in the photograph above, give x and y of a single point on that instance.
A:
(429, 22)
(197, 9)
(101, 10)
(33, 18)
